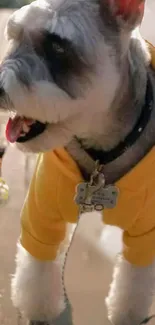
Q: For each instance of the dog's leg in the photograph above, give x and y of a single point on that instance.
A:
(37, 290)
(131, 293)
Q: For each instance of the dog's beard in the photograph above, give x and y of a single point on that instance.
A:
(58, 116)
(38, 114)
(36, 108)
(56, 135)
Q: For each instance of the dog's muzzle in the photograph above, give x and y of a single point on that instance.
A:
(19, 128)
(22, 129)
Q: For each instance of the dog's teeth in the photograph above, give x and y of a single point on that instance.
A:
(26, 128)
(22, 134)
(12, 114)
(30, 122)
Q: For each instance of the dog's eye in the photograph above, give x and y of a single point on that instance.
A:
(59, 55)
(58, 48)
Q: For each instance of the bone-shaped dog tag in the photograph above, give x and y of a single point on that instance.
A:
(80, 195)
(104, 197)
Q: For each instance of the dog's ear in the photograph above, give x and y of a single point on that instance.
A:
(127, 13)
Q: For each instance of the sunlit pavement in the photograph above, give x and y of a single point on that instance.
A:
(89, 266)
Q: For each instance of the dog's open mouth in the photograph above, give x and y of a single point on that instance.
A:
(22, 129)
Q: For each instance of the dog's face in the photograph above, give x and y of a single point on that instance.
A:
(64, 68)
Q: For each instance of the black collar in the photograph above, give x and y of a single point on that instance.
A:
(105, 157)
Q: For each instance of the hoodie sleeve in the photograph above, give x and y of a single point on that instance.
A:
(42, 226)
(49, 204)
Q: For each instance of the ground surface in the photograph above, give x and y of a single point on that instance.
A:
(89, 270)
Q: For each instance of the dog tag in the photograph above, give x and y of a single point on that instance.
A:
(98, 198)
(105, 197)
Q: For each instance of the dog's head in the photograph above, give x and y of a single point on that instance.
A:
(65, 67)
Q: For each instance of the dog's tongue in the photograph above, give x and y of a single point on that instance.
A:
(14, 128)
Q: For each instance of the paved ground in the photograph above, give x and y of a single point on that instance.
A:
(89, 270)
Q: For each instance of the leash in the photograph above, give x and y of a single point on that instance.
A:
(91, 196)
(19, 318)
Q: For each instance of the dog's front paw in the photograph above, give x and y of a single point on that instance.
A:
(124, 319)
(131, 320)
(65, 318)
(130, 295)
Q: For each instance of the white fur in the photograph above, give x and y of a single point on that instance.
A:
(131, 293)
(37, 287)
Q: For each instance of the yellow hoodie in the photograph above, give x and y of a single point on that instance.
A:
(49, 205)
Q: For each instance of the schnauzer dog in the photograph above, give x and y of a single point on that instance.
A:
(79, 76)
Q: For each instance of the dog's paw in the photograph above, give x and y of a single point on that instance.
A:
(65, 318)
(130, 319)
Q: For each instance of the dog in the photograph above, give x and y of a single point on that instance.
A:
(78, 76)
